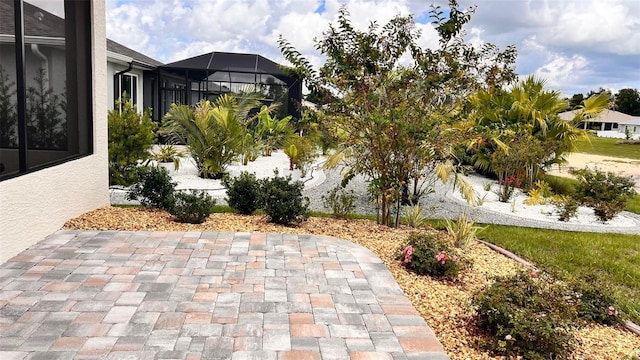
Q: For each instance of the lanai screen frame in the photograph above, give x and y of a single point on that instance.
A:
(255, 69)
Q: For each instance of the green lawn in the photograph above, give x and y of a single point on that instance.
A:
(608, 147)
(613, 258)
(634, 204)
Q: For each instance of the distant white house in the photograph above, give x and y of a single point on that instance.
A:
(609, 123)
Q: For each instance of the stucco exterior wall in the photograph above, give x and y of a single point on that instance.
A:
(34, 205)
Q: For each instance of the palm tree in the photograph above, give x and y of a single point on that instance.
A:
(526, 114)
(213, 132)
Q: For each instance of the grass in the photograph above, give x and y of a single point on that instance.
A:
(608, 147)
(634, 204)
(561, 185)
(612, 258)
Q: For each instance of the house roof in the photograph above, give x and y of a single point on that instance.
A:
(136, 56)
(606, 116)
(233, 62)
(39, 22)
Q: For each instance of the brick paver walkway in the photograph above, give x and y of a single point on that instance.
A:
(158, 295)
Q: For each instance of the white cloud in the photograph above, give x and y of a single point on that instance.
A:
(560, 71)
(608, 26)
(572, 42)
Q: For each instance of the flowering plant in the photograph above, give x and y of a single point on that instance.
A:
(507, 187)
(407, 254)
(432, 254)
(595, 300)
(443, 257)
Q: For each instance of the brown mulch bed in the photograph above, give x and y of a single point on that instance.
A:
(443, 304)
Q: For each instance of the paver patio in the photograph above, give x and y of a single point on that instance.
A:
(203, 295)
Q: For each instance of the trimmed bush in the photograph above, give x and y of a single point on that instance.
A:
(595, 301)
(606, 193)
(340, 201)
(527, 315)
(192, 207)
(283, 201)
(243, 192)
(427, 254)
(566, 207)
(130, 138)
(154, 188)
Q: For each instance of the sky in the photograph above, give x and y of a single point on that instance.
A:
(575, 45)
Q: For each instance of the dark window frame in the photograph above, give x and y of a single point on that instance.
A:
(78, 35)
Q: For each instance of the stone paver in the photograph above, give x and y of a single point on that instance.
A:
(209, 295)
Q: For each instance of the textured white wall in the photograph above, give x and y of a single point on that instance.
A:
(33, 206)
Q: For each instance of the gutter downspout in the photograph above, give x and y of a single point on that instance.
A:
(45, 65)
(116, 86)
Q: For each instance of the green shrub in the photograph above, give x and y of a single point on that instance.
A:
(606, 193)
(282, 200)
(566, 207)
(192, 207)
(427, 254)
(130, 138)
(154, 188)
(340, 202)
(595, 301)
(527, 315)
(243, 192)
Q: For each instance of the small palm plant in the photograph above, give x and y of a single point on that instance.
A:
(414, 214)
(167, 154)
(463, 231)
(272, 132)
(213, 132)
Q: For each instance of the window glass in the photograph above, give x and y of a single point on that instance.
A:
(52, 79)
(9, 164)
(129, 88)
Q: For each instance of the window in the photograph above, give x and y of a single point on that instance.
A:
(45, 84)
(128, 88)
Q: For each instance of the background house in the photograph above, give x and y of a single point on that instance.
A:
(133, 74)
(609, 123)
(53, 93)
(208, 76)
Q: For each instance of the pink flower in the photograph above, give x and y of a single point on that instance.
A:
(442, 257)
(409, 250)
(455, 258)
(407, 254)
(612, 311)
(508, 337)
(534, 274)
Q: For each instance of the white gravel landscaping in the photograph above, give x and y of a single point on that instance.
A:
(443, 203)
